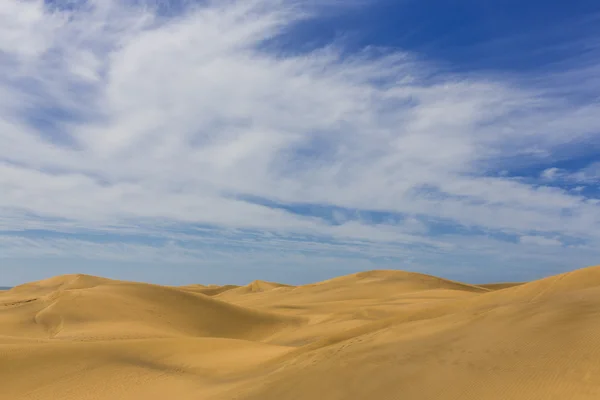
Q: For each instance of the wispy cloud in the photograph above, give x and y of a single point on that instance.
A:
(590, 174)
(119, 117)
(540, 240)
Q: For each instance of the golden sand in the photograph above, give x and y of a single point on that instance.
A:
(372, 335)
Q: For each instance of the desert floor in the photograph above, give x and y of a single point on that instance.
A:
(372, 335)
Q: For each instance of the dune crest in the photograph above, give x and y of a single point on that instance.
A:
(70, 281)
(405, 279)
(256, 286)
(80, 307)
(374, 334)
(209, 290)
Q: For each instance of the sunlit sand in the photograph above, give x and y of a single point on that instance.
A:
(373, 335)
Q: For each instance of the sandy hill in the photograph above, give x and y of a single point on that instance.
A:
(500, 286)
(209, 290)
(73, 281)
(392, 281)
(363, 285)
(80, 307)
(379, 334)
(254, 287)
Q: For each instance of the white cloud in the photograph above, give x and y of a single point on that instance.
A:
(540, 240)
(172, 117)
(587, 175)
(550, 173)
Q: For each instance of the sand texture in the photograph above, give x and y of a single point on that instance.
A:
(371, 335)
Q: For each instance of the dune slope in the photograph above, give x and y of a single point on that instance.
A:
(379, 334)
(89, 308)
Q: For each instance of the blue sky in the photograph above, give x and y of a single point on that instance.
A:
(294, 140)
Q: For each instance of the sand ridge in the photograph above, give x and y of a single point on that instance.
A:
(376, 334)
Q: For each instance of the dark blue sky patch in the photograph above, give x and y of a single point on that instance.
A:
(570, 157)
(464, 35)
(333, 215)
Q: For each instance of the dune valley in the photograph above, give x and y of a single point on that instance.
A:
(377, 334)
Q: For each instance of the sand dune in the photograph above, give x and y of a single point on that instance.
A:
(500, 286)
(254, 287)
(378, 334)
(89, 308)
(209, 290)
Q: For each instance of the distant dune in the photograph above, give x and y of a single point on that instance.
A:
(210, 290)
(499, 286)
(371, 335)
(254, 287)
